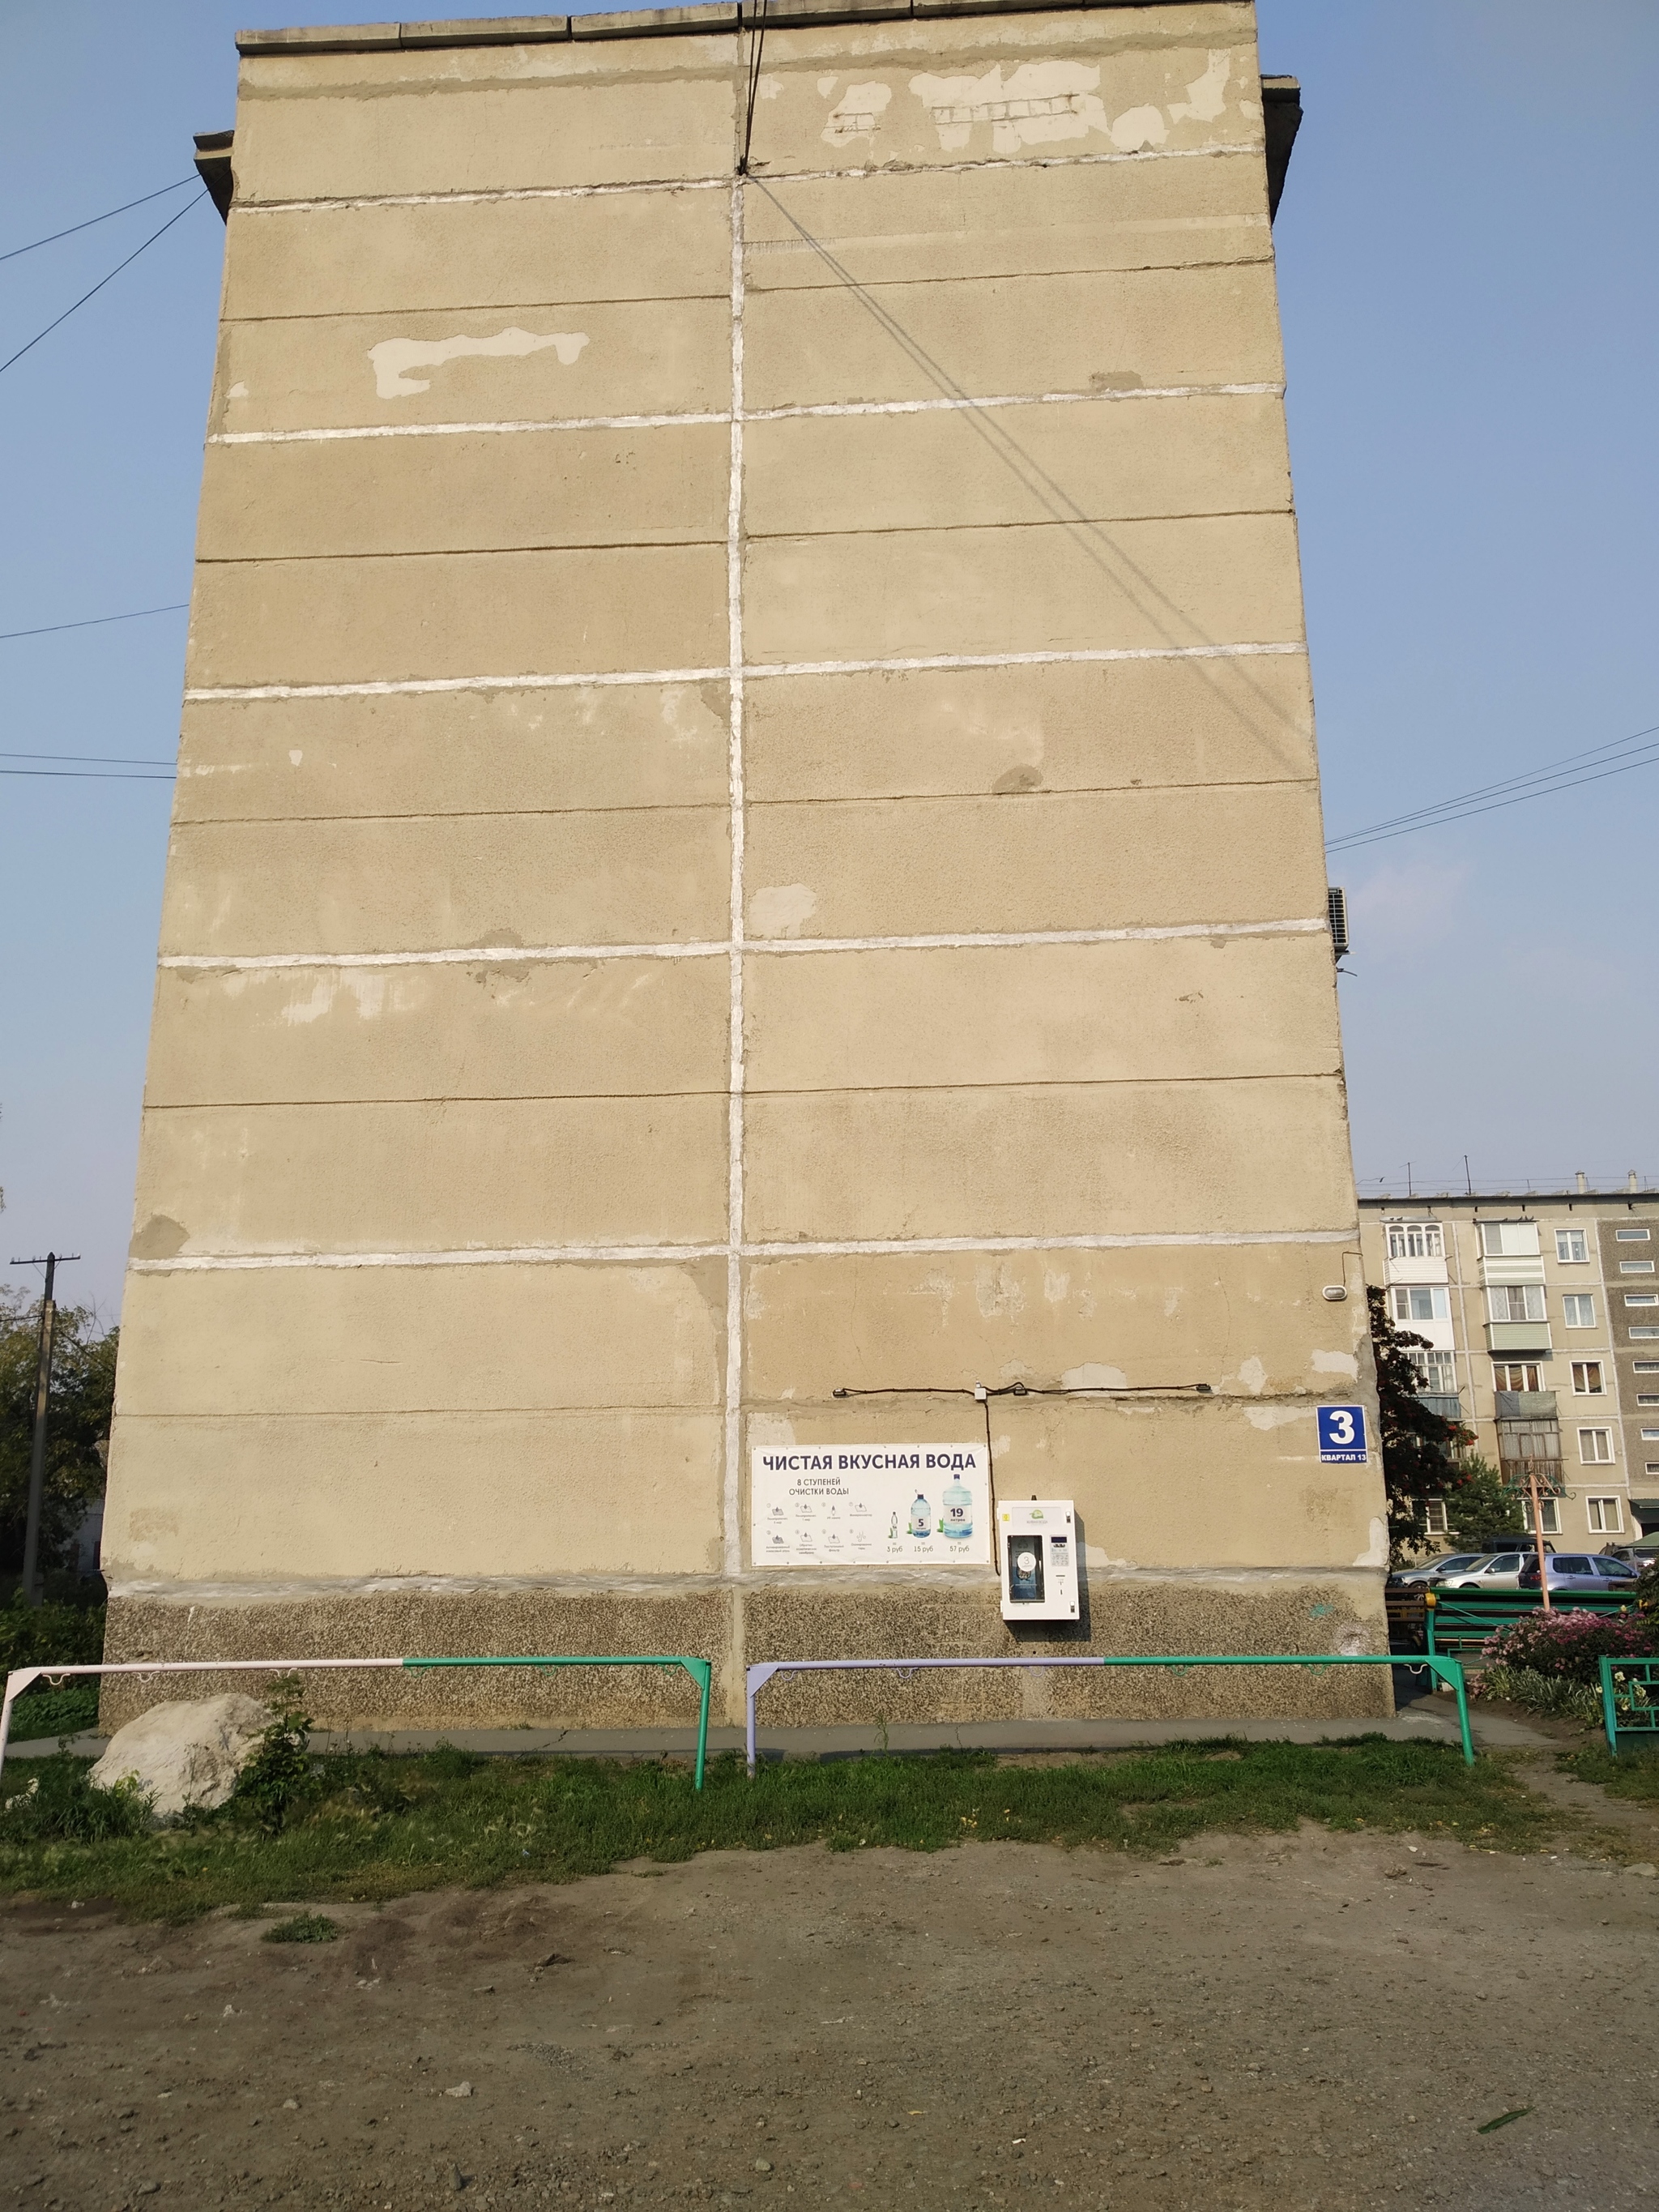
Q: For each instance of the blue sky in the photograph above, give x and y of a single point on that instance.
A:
(1466, 271)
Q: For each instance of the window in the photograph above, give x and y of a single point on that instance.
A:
(1605, 1517)
(1420, 1302)
(1632, 1236)
(1510, 1240)
(1647, 1397)
(1549, 1513)
(1647, 1367)
(1651, 1436)
(1643, 1333)
(1578, 1309)
(1636, 1266)
(1436, 1371)
(1515, 1374)
(1517, 1301)
(1596, 1446)
(1571, 1247)
(1415, 1240)
(1642, 1297)
(1434, 1516)
(1587, 1380)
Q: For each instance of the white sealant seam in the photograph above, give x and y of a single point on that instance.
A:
(695, 420)
(677, 1254)
(731, 1488)
(382, 688)
(956, 941)
(465, 430)
(331, 206)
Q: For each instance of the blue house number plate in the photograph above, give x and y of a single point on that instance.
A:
(1342, 1435)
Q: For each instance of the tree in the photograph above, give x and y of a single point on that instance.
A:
(1418, 1448)
(77, 1423)
(1481, 1507)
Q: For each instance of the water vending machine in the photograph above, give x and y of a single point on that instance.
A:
(1038, 1544)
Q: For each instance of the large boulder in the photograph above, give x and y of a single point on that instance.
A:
(188, 1753)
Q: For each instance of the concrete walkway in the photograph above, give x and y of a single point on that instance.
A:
(1432, 1717)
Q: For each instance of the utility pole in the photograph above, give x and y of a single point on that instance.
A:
(42, 1395)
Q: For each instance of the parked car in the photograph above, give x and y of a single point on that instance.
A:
(1494, 1570)
(1436, 1570)
(1581, 1570)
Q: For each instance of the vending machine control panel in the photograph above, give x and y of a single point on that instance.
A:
(1037, 1543)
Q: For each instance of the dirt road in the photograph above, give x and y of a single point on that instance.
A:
(1319, 2022)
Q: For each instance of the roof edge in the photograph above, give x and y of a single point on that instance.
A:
(648, 22)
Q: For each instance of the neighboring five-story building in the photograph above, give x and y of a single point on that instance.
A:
(1540, 1315)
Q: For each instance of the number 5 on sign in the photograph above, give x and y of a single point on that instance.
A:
(1342, 1434)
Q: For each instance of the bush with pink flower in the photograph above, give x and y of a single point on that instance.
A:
(1567, 1645)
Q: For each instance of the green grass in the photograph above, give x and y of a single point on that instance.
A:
(370, 1827)
(54, 1712)
(1634, 1773)
(303, 1928)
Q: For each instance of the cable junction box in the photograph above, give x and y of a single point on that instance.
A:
(1040, 1570)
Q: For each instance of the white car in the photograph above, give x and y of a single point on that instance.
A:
(1437, 1569)
(1498, 1570)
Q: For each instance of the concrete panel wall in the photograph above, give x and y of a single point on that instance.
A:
(747, 825)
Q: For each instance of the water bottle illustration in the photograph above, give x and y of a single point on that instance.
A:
(892, 1529)
(921, 1517)
(958, 1511)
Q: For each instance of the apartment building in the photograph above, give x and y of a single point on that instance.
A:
(1542, 1315)
(747, 864)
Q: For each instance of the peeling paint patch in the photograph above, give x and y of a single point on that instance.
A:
(161, 1237)
(365, 986)
(1377, 1553)
(237, 392)
(856, 113)
(779, 909)
(998, 1291)
(1253, 1375)
(1092, 1375)
(1206, 95)
(770, 1431)
(1137, 127)
(1055, 1286)
(1274, 1416)
(1334, 1362)
(393, 358)
(1041, 103)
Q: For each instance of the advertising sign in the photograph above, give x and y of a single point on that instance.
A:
(870, 1506)
(1342, 1435)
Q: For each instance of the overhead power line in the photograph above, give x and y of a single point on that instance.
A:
(92, 760)
(102, 281)
(1594, 765)
(92, 622)
(178, 184)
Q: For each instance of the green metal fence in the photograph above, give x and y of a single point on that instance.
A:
(1630, 1697)
(1460, 1621)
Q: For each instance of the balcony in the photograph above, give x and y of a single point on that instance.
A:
(1512, 1271)
(1446, 1403)
(1519, 1336)
(1525, 1404)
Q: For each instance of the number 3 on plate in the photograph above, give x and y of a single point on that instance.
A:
(1342, 1434)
